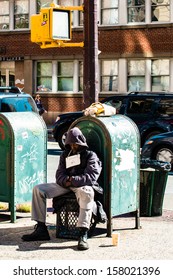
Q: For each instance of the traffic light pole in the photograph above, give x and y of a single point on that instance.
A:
(90, 61)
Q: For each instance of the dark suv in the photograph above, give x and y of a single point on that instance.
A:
(152, 112)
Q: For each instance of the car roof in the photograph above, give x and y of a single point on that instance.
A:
(149, 93)
(12, 92)
(141, 95)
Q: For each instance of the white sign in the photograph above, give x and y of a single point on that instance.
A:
(72, 161)
(61, 24)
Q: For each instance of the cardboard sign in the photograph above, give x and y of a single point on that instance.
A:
(72, 161)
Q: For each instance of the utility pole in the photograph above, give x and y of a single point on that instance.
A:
(90, 61)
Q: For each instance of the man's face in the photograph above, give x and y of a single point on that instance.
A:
(74, 147)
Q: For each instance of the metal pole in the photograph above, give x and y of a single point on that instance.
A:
(90, 61)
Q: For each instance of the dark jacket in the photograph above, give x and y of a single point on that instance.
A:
(40, 107)
(89, 169)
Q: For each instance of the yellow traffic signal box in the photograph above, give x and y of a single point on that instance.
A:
(51, 24)
(40, 29)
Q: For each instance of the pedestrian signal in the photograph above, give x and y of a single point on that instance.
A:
(51, 24)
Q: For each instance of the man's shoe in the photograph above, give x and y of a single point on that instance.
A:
(82, 243)
(39, 234)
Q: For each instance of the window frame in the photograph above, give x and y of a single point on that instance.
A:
(140, 75)
(25, 14)
(136, 7)
(66, 76)
(103, 9)
(114, 76)
(161, 5)
(161, 75)
(5, 15)
(42, 87)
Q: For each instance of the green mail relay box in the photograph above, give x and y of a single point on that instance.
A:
(116, 141)
(23, 157)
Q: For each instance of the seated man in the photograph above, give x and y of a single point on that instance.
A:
(78, 170)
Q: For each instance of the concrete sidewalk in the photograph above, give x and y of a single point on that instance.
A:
(153, 241)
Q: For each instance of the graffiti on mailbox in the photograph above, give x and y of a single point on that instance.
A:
(29, 157)
(27, 183)
(30, 167)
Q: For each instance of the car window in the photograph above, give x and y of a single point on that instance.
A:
(18, 105)
(115, 103)
(140, 106)
(165, 107)
(5, 107)
(147, 106)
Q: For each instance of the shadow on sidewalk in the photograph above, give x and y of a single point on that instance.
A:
(11, 233)
(12, 237)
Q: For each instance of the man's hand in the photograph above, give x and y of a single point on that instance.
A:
(68, 182)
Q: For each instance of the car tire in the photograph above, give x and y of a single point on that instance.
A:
(164, 153)
(61, 137)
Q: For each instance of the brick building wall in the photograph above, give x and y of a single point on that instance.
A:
(55, 105)
(118, 41)
(150, 41)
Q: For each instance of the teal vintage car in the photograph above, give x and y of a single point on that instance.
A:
(12, 99)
